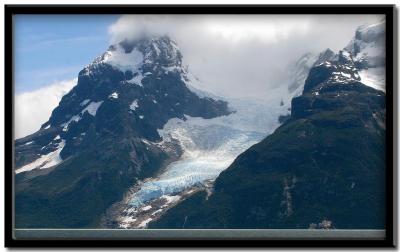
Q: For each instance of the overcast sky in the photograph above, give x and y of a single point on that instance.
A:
(232, 55)
(247, 54)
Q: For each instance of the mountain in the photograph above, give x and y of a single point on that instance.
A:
(96, 145)
(368, 50)
(298, 70)
(322, 168)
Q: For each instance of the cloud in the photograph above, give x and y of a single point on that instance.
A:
(239, 56)
(243, 55)
(34, 108)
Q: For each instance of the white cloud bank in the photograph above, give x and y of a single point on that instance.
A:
(34, 108)
(239, 56)
(243, 55)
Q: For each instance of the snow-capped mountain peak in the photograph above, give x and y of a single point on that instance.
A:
(340, 70)
(138, 57)
(325, 55)
(132, 89)
(299, 70)
(362, 60)
(368, 46)
(368, 51)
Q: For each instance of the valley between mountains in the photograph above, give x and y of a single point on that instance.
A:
(136, 144)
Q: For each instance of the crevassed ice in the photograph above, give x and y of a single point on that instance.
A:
(210, 146)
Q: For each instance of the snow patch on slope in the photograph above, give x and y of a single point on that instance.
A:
(92, 108)
(113, 95)
(134, 105)
(85, 102)
(45, 161)
(75, 118)
(137, 79)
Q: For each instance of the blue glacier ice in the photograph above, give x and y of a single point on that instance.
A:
(210, 146)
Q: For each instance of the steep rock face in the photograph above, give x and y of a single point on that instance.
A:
(96, 143)
(298, 71)
(337, 71)
(323, 168)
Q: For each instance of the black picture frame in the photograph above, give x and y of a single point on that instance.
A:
(388, 10)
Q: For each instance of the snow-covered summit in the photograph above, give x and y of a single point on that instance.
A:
(138, 59)
(368, 46)
(368, 51)
(139, 56)
(362, 60)
(340, 69)
(132, 90)
(343, 70)
(326, 55)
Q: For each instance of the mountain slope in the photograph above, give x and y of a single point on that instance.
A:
(93, 147)
(323, 168)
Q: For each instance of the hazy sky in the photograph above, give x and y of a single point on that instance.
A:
(233, 55)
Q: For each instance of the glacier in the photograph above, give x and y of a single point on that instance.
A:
(209, 146)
